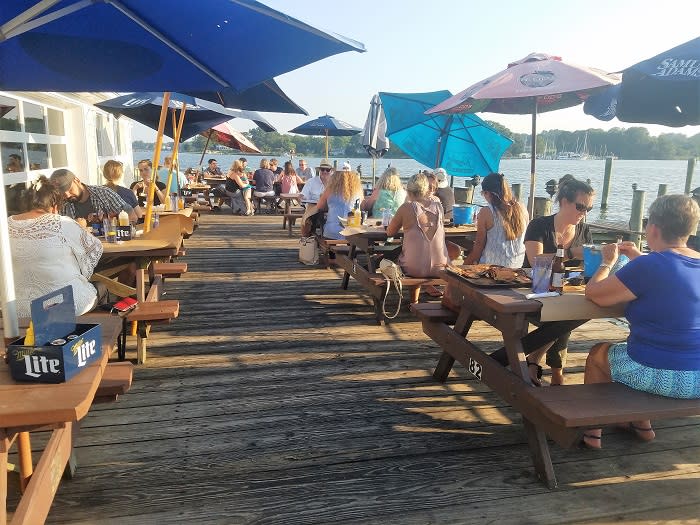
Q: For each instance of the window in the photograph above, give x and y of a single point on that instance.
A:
(105, 146)
(56, 122)
(38, 156)
(9, 114)
(34, 121)
(12, 156)
(59, 155)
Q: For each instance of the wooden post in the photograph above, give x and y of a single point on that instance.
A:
(636, 216)
(606, 183)
(662, 190)
(517, 190)
(543, 206)
(689, 175)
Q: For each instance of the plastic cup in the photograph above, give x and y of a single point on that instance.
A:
(592, 258)
(541, 273)
(110, 231)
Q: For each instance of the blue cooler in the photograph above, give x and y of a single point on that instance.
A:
(463, 214)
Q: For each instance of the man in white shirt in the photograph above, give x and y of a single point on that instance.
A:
(304, 171)
(314, 186)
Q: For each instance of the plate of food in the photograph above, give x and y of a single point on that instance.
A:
(491, 275)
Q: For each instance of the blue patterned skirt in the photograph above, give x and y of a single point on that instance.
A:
(679, 384)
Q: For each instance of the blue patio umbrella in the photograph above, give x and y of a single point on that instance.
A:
(664, 89)
(326, 126)
(462, 144)
(154, 45)
(200, 115)
(266, 96)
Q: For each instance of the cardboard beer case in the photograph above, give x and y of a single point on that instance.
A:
(62, 348)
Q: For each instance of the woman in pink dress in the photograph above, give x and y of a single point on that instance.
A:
(289, 179)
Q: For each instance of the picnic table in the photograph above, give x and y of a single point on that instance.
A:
(289, 218)
(27, 407)
(562, 413)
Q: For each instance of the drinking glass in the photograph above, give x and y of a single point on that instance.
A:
(541, 273)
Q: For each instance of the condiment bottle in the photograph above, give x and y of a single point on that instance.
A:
(123, 218)
(556, 284)
(357, 214)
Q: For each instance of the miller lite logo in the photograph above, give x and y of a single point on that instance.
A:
(37, 365)
(83, 351)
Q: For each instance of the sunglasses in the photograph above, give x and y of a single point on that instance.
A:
(325, 169)
(582, 208)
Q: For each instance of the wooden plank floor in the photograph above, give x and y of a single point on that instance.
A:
(274, 398)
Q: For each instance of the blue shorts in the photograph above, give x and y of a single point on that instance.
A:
(679, 384)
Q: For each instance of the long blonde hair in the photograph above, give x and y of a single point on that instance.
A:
(504, 203)
(346, 184)
(390, 180)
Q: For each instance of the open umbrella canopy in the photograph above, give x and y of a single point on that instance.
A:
(158, 45)
(326, 126)
(664, 89)
(228, 136)
(534, 84)
(200, 114)
(464, 145)
(266, 96)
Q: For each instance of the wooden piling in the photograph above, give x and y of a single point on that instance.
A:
(689, 175)
(606, 183)
(543, 206)
(662, 190)
(635, 224)
(517, 190)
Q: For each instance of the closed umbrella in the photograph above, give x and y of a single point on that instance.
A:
(326, 126)
(374, 133)
(664, 89)
(533, 85)
(132, 45)
(464, 145)
(228, 136)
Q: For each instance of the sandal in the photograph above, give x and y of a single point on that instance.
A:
(640, 432)
(433, 292)
(538, 375)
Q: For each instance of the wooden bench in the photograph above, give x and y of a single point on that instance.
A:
(326, 246)
(290, 220)
(563, 413)
(116, 380)
(375, 283)
(169, 269)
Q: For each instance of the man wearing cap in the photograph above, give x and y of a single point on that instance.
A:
(304, 171)
(445, 193)
(82, 199)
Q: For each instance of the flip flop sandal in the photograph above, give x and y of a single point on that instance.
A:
(637, 431)
(586, 445)
(539, 374)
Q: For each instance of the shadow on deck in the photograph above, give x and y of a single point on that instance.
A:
(274, 398)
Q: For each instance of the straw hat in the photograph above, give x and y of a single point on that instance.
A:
(441, 176)
(325, 163)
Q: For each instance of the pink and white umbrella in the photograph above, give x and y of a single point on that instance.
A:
(535, 84)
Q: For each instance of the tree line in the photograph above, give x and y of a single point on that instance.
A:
(633, 143)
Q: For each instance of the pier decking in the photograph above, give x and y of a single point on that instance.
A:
(275, 398)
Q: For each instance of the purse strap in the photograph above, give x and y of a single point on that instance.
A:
(394, 278)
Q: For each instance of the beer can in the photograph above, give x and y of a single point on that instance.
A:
(58, 342)
(71, 337)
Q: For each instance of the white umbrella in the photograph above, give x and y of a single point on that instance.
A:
(374, 134)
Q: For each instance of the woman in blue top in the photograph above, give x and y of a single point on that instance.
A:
(342, 191)
(662, 292)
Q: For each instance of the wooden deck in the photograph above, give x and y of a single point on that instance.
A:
(275, 398)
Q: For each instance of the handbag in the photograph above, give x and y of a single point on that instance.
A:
(393, 275)
(308, 250)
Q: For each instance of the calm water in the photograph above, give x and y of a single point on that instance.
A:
(647, 174)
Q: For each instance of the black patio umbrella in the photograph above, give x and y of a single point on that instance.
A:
(326, 126)
(374, 134)
(664, 89)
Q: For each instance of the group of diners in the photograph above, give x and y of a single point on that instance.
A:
(661, 289)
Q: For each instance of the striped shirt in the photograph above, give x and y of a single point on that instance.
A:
(101, 200)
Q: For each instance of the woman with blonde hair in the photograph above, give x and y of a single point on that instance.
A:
(238, 188)
(388, 194)
(500, 230)
(343, 190)
(113, 172)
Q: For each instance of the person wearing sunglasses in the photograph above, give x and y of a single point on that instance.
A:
(568, 228)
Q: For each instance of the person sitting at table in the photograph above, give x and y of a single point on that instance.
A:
(15, 163)
(212, 169)
(140, 187)
(50, 251)
(445, 193)
(177, 179)
(342, 192)
(313, 188)
(543, 234)
(113, 172)
(289, 179)
(388, 194)
(81, 200)
(662, 295)
(304, 171)
(238, 189)
(274, 168)
(424, 251)
(500, 226)
(264, 181)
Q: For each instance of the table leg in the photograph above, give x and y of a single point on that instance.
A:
(4, 451)
(346, 276)
(446, 362)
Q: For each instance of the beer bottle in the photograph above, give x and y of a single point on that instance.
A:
(556, 284)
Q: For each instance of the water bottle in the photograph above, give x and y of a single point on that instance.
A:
(386, 216)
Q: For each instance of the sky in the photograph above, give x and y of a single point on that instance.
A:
(429, 45)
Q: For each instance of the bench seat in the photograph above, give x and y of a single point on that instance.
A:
(116, 380)
(290, 220)
(155, 311)
(326, 246)
(169, 269)
(434, 312)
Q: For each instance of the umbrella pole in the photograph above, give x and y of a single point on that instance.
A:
(156, 159)
(533, 155)
(326, 143)
(204, 151)
(175, 165)
(169, 178)
(374, 172)
(178, 129)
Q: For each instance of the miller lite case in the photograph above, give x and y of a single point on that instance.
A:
(62, 348)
